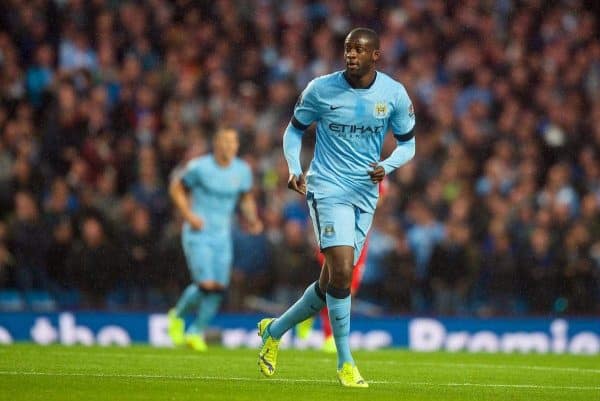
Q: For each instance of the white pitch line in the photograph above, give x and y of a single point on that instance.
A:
(151, 376)
(478, 366)
(280, 380)
(492, 366)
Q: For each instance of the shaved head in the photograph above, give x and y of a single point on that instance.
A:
(361, 52)
(364, 35)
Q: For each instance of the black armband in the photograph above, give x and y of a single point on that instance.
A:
(298, 125)
(405, 137)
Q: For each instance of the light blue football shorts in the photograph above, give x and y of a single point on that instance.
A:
(208, 257)
(338, 223)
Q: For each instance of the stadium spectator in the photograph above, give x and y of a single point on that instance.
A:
(29, 243)
(580, 277)
(6, 260)
(542, 271)
(451, 270)
(94, 263)
(140, 276)
(498, 287)
(56, 256)
(400, 277)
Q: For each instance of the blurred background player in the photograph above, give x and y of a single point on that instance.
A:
(353, 110)
(206, 194)
(304, 328)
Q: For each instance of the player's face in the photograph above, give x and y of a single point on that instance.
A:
(360, 56)
(226, 144)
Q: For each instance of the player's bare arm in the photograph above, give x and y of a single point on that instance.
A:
(179, 195)
(249, 211)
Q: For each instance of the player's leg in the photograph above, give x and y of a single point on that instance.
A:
(271, 330)
(350, 226)
(175, 320)
(359, 268)
(190, 297)
(337, 241)
(214, 281)
(311, 302)
(208, 307)
(304, 328)
(357, 272)
(340, 260)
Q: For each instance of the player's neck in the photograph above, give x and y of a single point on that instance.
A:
(222, 161)
(364, 82)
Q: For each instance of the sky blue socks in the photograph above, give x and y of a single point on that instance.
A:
(338, 303)
(206, 302)
(311, 302)
(209, 306)
(190, 298)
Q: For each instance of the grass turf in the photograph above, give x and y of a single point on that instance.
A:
(32, 372)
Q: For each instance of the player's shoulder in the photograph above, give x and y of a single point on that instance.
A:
(390, 83)
(199, 162)
(325, 81)
(328, 78)
(241, 164)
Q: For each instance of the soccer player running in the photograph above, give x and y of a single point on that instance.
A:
(206, 194)
(353, 110)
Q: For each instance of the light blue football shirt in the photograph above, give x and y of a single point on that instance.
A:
(351, 126)
(215, 191)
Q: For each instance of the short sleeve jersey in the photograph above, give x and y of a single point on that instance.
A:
(215, 191)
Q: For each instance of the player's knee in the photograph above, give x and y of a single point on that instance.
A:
(340, 261)
(341, 276)
(211, 286)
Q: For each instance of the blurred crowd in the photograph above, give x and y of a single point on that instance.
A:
(499, 212)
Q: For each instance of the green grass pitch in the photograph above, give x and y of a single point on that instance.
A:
(32, 372)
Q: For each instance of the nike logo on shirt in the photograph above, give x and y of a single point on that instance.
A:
(334, 107)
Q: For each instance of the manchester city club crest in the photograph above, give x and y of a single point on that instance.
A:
(328, 230)
(380, 110)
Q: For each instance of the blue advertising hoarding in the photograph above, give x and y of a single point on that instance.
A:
(542, 335)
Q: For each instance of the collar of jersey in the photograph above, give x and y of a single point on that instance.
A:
(365, 88)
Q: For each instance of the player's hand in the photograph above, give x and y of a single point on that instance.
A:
(195, 222)
(255, 227)
(297, 184)
(377, 174)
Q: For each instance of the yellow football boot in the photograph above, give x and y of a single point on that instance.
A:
(175, 328)
(196, 342)
(349, 376)
(267, 357)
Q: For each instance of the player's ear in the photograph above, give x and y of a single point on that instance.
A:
(376, 55)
